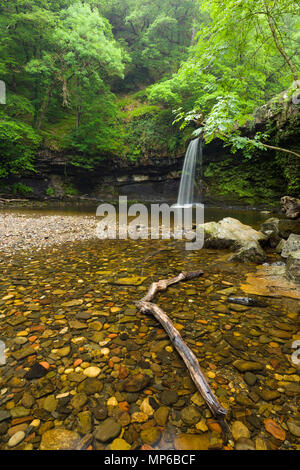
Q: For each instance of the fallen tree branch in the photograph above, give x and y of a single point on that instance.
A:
(146, 306)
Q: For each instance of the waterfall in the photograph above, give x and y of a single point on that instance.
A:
(187, 182)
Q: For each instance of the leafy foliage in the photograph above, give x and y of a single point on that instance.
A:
(18, 144)
(99, 80)
(243, 55)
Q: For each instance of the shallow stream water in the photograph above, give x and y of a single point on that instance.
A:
(72, 308)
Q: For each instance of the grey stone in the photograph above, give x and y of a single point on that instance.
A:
(252, 252)
(108, 430)
(294, 428)
(4, 415)
(244, 444)
(231, 234)
(293, 266)
(292, 244)
(190, 415)
(24, 352)
(168, 397)
(250, 378)
(270, 228)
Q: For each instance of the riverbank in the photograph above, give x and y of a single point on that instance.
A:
(40, 224)
(19, 231)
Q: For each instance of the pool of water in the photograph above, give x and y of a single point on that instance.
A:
(250, 216)
(72, 308)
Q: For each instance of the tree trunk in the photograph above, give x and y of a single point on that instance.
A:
(277, 42)
(44, 107)
(78, 107)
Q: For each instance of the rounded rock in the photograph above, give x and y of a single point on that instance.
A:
(150, 436)
(119, 444)
(92, 371)
(239, 430)
(16, 439)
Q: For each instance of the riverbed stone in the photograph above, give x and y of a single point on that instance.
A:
(246, 366)
(136, 383)
(151, 435)
(244, 444)
(269, 395)
(250, 378)
(239, 430)
(275, 429)
(292, 244)
(100, 411)
(294, 427)
(84, 422)
(108, 430)
(19, 412)
(161, 415)
(270, 228)
(119, 444)
(192, 442)
(231, 234)
(293, 266)
(23, 353)
(63, 352)
(251, 252)
(16, 439)
(50, 403)
(90, 386)
(92, 371)
(79, 400)
(261, 443)
(190, 415)
(59, 439)
(168, 397)
(4, 415)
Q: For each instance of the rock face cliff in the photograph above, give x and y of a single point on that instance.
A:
(146, 179)
(226, 178)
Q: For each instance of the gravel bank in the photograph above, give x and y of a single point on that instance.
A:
(21, 232)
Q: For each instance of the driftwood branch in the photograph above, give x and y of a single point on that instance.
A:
(146, 306)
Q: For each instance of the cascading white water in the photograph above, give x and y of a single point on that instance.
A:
(187, 182)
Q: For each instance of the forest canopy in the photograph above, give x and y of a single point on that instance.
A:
(101, 78)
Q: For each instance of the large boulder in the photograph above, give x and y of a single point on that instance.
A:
(231, 234)
(293, 266)
(290, 207)
(275, 229)
(292, 244)
(270, 228)
(251, 252)
(288, 226)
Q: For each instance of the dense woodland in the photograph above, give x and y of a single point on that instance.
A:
(112, 78)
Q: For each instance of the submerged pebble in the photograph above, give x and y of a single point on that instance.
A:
(85, 369)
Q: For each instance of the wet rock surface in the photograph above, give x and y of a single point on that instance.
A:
(85, 370)
(231, 234)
